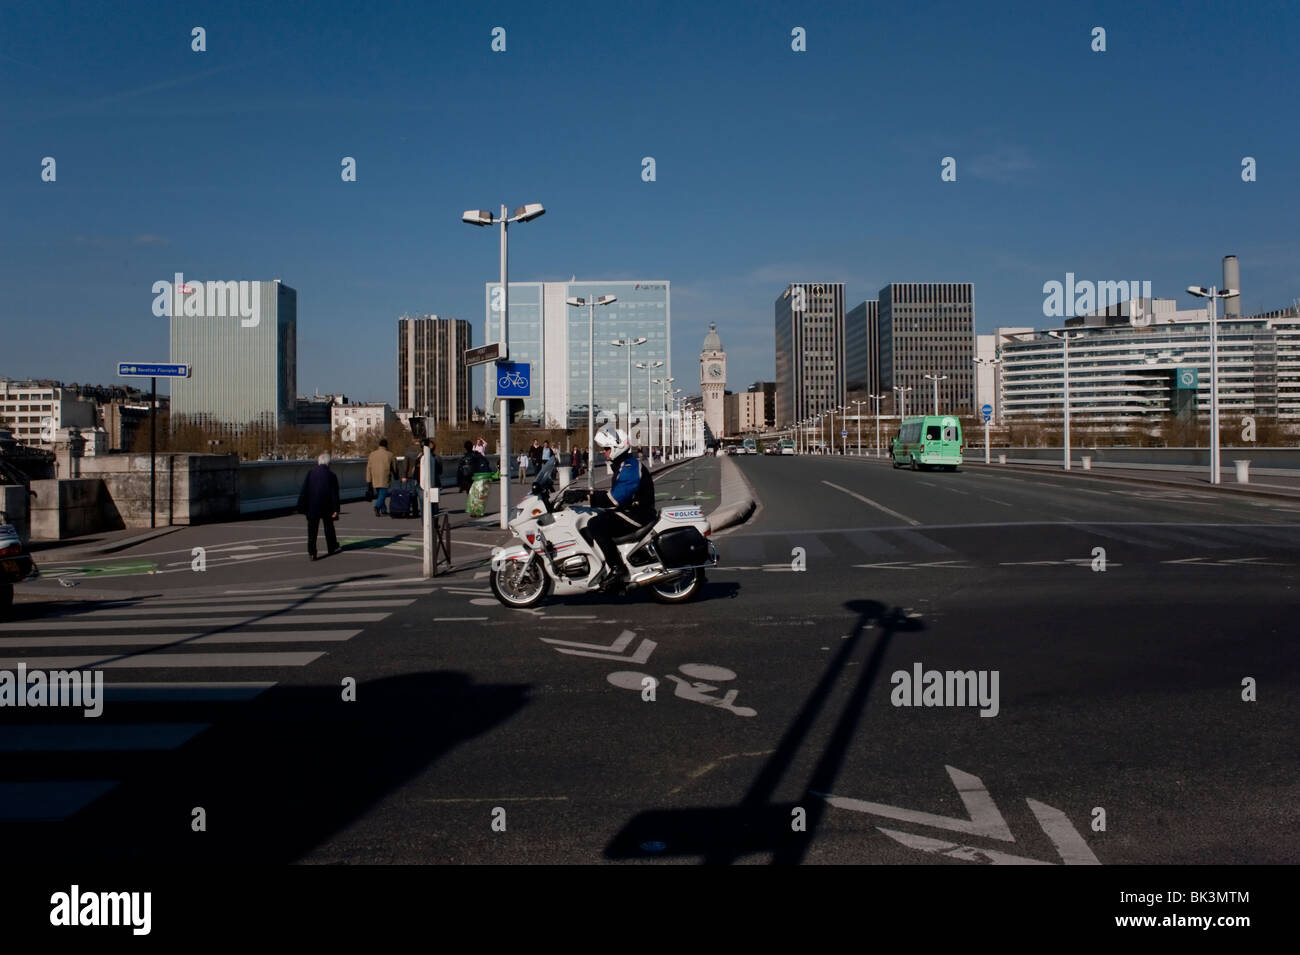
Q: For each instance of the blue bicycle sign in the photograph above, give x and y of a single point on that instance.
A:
(513, 379)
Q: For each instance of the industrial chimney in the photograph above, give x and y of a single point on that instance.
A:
(1231, 279)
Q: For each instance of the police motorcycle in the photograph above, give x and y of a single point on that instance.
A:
(557, 554)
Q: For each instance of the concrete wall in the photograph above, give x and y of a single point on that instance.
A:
(15, 504)
(275, 485)
(191, 488)
(71, 507)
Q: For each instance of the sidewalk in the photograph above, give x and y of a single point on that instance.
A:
(268, 552)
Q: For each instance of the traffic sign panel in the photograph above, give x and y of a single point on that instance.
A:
(513, 379)
(987, 412)
(138, 369)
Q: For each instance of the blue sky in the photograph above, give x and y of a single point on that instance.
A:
(772, 166)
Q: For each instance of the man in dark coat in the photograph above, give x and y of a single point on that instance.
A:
(319, 500)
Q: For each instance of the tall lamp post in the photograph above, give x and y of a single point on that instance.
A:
(482, 217)
(1065, 338)
(1214, 294)
(902, 391)
(936, 379)
(991, 362)
(649, 404)
(857, 413)
(590, 304)
(629, 344)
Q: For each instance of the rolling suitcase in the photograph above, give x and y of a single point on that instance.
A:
(401, 500)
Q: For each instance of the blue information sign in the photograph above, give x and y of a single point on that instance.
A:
(513, 379)
(987, 412)
(139, 369)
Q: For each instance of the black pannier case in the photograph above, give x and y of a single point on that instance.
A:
(682, 547)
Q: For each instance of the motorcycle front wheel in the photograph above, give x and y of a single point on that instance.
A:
(516, 588)
(679, 588)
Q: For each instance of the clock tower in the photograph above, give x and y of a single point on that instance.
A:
(713, 380)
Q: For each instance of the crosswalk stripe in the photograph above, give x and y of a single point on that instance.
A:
(205, 623)
(192, 639)
(90, 735)
(149, 661)
(197, 692)
(295, 594)
(150, 609)
(48, 801)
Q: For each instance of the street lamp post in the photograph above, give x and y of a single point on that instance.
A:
(858, 414)
(1214, 294)
(991, 362)
(629, 344)
(902, 391)
(649, 404)
(482, 217)
(591, 304)
(1065, 396)
(936, 379)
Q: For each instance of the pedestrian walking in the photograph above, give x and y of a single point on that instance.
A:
(535, 455)
(381, 469)
(523, 467)
(413, 468)
(546, 452)
(319, 501)
(575, 462)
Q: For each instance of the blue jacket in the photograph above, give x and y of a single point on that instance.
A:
(633, 490)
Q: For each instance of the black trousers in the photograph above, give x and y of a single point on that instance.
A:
(603, 528)
(313, 525)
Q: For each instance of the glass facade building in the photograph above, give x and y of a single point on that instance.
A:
(553, 337)
(244, 372)
(810, 360)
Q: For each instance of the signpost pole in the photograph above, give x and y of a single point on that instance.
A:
(503, 449)
(153, 451)
(986, 440)
(430, 497)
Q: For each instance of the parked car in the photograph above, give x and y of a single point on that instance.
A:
(15, 564)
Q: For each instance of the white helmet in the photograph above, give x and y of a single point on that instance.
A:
(614, 441)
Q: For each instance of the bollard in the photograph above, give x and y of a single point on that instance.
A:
(1087, 461)
(1243, 471)
(565, 472)
(1002, 459)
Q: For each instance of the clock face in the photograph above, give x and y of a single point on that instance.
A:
(715, 371)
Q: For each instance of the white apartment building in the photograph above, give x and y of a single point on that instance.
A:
(37, 413)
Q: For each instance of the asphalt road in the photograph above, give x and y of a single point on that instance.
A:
(1115, 733)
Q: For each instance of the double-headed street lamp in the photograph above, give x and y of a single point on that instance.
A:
(902, 391)
(1214, 294)
(936, 379)
(991, 362)
(649, 404)
(481, 217)
(1065, 338)
(590, 304)
(629, 344)
(857, 413)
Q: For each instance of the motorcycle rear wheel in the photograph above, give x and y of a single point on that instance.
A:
(679, 588)
(515, 589)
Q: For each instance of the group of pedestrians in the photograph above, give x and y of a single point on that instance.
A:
(319, 498)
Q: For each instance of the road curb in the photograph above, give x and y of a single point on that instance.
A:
(737, 505)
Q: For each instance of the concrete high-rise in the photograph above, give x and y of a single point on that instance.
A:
(810, 365)
(244, 369)
(928, 328)
(432, 378)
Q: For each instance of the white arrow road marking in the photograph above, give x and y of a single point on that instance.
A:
(985, 820)
(1068, 842)
(955, 851)
(1230, 562)
(888, 565)
(944, 563)
(612, 652)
